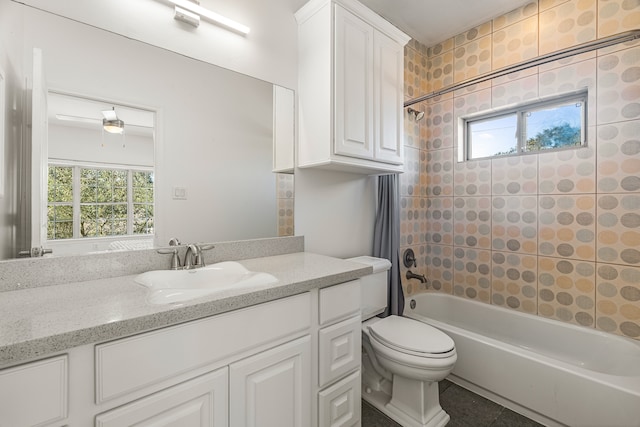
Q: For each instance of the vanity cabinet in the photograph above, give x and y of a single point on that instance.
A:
(35, 394)
(339, 355)
(351, 80)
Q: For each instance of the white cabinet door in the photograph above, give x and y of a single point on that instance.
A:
(388, 103)
(339, 405)
(273, 388)
(353, 85)
(201, 402)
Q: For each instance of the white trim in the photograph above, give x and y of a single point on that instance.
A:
(3, 95)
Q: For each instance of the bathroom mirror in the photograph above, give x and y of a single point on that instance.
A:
(213, 154)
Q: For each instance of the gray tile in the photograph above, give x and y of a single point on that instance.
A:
(371, 417)
(508, 418)
(468, 409)
(444, 385)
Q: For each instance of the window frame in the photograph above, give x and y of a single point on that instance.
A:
(76, 200)
(521, 111)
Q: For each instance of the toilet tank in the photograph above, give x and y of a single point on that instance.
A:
(374, 286)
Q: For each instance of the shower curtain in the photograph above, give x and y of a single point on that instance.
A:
(386, 240)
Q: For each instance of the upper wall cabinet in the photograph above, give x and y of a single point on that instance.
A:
(351, 81)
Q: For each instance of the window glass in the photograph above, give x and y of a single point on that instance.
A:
(493, 136)
(553, 127)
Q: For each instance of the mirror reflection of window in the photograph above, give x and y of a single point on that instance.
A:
(100, 183)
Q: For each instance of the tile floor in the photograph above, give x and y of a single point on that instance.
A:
(466, 409)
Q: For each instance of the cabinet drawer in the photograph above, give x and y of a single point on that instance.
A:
(148, 362)
(339, 302)
(339, 349)
(339, 405)
(34, 394)
(200, 402)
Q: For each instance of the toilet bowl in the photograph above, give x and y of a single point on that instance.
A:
(402, 359)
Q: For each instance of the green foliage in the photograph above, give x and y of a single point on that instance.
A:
(103, 202)
(560, 136)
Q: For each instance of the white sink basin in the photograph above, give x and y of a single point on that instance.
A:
(171, 286)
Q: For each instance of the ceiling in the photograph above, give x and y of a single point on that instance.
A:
(433, 21)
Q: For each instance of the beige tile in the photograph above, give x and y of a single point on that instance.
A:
(566, 226)
(472, 178)
(412, 220)
(472, 59)
(439, 125)
(472, 222)
(515, 43)
(514, 226)
(472, 274)
(617, 16)
(618, 299)
(619, 157)
(439, 271)
(414, 286)
(619, 86)
(566, 290)
(567, 24)
(473, 34)
(440, 71)
(568, 171)
(439, 172)
(514, 175)
(439, 220)
(515, 92)
(618, 239)
(514, 282)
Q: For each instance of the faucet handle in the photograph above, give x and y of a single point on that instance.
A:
(174, 241)
(199, 257)
(175, 259)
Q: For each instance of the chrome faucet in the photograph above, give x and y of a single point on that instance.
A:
(192, 258)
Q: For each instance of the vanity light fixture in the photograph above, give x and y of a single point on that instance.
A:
(199, 11)
(111, 123)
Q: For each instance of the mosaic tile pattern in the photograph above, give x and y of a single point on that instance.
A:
(285, 201)
(439, 263)
(515, 224)
(515, 43)
(472, 103)
(566, 290)
(566, 226)
(618, 300)
(529, 10)
(472, 59)
(514, 92)
(472, 178)
(472, 274)
(567, 24)
(411, 131)
(514, 282)
(472, 222)
(570, 171)
(514, 175)
(569, 78)
(619, 228)
(439, 125)
(410, 179)
(439, 171)
(619, 157)
(619, 86)
(440, 71)
(415, 70)
(616, 16)
(439, 218)
(473, 34)
(412, 221)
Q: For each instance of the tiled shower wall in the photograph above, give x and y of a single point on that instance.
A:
(552, 234)
(285, 199)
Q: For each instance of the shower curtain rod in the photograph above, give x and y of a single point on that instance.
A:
(540, 60)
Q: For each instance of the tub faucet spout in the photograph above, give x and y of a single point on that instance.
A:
(411, 275)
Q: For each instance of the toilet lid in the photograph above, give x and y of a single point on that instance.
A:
(411, 336)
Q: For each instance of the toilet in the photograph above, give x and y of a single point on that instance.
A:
(402, 359)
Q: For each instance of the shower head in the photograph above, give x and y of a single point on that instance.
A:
(417, 115)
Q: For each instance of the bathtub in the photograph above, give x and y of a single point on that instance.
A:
(552, 372)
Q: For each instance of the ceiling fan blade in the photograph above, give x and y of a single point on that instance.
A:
(70, 118)
(110, 115)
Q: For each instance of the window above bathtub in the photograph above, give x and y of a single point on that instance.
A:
(553, 124)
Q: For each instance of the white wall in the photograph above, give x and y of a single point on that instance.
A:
(91, 145)
(11, 64)
(335, 212)
(268, 52)
(215, 126)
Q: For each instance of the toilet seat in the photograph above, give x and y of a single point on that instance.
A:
(412, 337)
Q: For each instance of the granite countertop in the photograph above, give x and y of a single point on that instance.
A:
(38, 322)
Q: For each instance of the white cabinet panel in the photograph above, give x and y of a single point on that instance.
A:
(353, 85)
(339, 302)
(34, 394)
(388, 99)
(201, 402)
(273, 388)
(339, 405)
(160, 356)
(339, 349)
